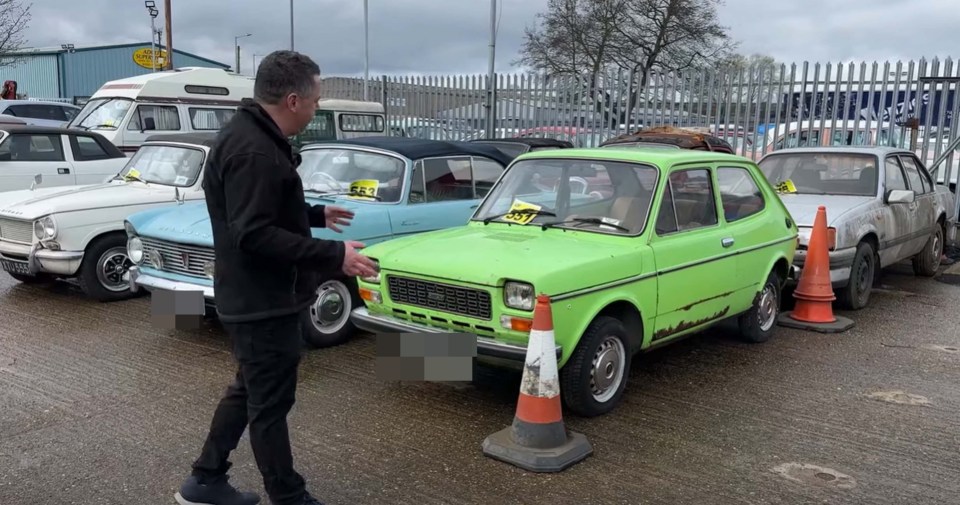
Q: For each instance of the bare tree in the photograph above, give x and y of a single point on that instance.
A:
(14, 19)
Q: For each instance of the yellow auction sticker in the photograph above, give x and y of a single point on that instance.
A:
(133, 173)
(366, 188)
(786, 187)
(521, 212)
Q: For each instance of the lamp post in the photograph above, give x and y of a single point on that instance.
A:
(236, 44)
(152, 9)
(254, 67)
(291, 25)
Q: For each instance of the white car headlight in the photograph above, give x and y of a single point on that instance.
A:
(376, 278)
(135, 250)
(518, 295)
(209, 269)
(45, 228)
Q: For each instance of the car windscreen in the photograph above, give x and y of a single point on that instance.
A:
(102, 113)
(823, 173)
(164, 165)
(598, 196)
(352, 173)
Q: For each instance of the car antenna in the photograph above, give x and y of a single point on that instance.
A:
(176, 195)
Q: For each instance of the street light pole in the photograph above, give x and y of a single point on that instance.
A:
(366, 51)
(236, 45)
(491, 104)
(291, 25)
(152, 9)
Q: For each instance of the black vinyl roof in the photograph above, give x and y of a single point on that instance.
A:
(530, 141)
(198, 138)
(417, 148)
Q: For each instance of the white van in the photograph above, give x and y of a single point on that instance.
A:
(338, 119)
(190, 99)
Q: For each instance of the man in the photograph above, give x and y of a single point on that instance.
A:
(268, 268)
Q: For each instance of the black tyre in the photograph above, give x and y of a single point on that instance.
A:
(33, 279)
(856, 294)
(593, 380)
(927, 262)
(326, 323)
(104, 264)
(759, 323)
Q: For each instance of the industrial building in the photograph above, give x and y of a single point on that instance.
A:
(72, 74)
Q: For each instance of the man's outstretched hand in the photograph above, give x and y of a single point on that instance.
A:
(337, 216)
(356, 264)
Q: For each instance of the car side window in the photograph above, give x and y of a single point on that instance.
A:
(26, 147)
(39, 111)
(485, 175)
(894, 178)
(161, 117)
(917, 182)
(688, 202)
(442, 179)
(87, 149)
(739, 193)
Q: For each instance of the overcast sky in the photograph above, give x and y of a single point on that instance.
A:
(452, 36)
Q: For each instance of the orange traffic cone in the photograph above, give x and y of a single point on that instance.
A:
(538, 440)
(814, 293)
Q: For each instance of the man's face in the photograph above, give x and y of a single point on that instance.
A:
(304, 107)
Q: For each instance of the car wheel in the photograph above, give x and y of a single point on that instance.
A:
(326, 322)
(595, 376)
(856, 293)
(927, 263)
(758, 324)
(32, 279)
(104, 264)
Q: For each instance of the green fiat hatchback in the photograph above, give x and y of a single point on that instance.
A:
(636, 248)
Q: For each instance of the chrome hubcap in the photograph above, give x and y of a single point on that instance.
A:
(111, 268)
(607, 370)
(330, 311)
(768, 308)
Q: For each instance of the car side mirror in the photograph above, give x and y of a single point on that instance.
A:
(37, 180)
(900, 196)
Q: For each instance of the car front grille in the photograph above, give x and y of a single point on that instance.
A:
(177, 258)
(16, 231)
(442, 297)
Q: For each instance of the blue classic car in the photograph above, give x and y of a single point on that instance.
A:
(396, 186)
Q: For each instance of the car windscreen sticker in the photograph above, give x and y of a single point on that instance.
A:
(786, 187)
(364, 188)
(180, 180)
(133, 173)
(521, 212)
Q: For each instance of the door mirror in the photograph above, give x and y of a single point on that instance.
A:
(900, 196)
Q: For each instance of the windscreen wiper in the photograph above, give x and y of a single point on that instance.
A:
(536, 212)
(585, 220)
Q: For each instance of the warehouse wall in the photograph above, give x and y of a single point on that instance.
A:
(36, 76)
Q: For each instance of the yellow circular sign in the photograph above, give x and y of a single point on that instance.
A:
(144, 57)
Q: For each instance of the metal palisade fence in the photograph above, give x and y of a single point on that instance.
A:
(758, 109)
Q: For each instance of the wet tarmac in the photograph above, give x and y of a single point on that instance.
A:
(98, 406)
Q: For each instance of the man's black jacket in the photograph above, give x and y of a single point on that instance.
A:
(267, 262)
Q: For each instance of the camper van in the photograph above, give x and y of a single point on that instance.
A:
(190, 99)
(338, 119)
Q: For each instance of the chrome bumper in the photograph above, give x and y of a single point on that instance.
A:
(486, 346)
(149, 282)
(36, 259)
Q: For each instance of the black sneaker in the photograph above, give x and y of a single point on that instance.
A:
(215, 491)
(310, 500)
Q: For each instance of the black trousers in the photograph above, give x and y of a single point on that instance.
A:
(262, 395)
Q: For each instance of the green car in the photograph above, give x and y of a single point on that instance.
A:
(635, 247)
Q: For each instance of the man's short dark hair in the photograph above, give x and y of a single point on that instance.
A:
(283, 72)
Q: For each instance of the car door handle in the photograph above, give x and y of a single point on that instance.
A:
(474, 206)
(62, 171)
(727, 242)
(409, 223)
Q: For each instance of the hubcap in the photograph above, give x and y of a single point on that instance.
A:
(331, 310)
(607, 369)
(113, 264)
(936, 252)
(863, 277)
(768, 308)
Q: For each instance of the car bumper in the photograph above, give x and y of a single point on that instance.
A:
(486, 346)
(841, 263)
(34, 259)
(140, 280)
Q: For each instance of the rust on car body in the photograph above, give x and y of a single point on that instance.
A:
(686, 325)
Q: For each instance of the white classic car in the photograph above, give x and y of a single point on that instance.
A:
(882, 208)
(78, 232)
(60, 157)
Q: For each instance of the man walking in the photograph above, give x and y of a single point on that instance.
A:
(268, 267)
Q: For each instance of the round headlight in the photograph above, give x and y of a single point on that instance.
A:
(45, 228)
(156, 261)
(38, 229)
(208, 269)
(135, 250)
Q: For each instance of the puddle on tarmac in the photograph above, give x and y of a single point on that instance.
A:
(899, 397)
(815, 475)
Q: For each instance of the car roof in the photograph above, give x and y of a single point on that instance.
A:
(681, 137)
(881, 151)
(632, 154)
(34, 129)
(198, 138)
(37, 102)
(417, 148)
(530, 141)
